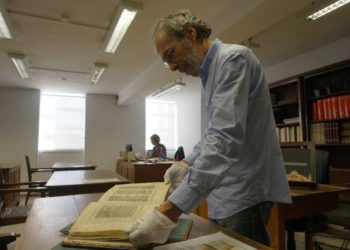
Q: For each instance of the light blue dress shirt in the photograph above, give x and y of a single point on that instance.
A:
(238, 162)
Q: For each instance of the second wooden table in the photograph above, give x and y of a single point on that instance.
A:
(83, 182)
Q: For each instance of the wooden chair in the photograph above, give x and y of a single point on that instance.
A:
(6, 239)
(15, 214)
(31, 171)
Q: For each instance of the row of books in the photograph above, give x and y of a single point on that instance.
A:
(332, 83)
(336, 107)
(330, 132)
(289, 134)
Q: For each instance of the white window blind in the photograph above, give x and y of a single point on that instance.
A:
(62, 122)
(161, 119)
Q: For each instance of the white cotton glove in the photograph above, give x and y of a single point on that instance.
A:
(154, 227)
(175, 174)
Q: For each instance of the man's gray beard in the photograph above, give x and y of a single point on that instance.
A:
(194, 57)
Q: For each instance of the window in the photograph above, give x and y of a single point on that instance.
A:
(62, 122)
(161, 119)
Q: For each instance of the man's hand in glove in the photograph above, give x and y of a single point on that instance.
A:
(154, 227)
(175, 174)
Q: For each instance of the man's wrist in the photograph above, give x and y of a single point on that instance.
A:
(170, 210)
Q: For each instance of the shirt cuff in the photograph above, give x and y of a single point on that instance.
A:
(185, 198)
(191, 158)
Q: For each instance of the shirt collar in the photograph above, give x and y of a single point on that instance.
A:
(208, 60)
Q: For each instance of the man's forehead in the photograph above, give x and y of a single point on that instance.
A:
(162, 40)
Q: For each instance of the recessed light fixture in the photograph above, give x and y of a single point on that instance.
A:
(21, 65)
(4, 21)
(326, 10)
(122, 19)
(97, 72)
(175, 86)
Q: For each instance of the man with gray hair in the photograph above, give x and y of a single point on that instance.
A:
(237, 165)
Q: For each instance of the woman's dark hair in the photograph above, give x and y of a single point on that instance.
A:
(155, 138)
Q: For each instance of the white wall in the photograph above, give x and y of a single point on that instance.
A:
(19, 119)
(319, 57)
(188, 101)
(110, 127)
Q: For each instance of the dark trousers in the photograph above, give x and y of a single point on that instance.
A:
(251, 222)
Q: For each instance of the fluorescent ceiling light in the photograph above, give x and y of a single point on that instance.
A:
(121, 22)
(326, 10)
(177, 85)
(21, 65)
(97, 71)
(4, 28)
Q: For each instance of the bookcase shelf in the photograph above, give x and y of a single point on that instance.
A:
(344, 92)
(293, 144)
(279, 125)
(320, 99)
(333, 145)
(334, 120)
(286, 102)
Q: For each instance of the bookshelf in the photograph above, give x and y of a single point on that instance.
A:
(319, 101)
(328, 109)
(286, 103)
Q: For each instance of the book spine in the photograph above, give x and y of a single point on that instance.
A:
(347, 106)
(298, 131)
(325, 109)
(322, 132)
(336, 132)
(320, 110)
(335, 100)
(315, 116)
(329, 109)
(341, 106)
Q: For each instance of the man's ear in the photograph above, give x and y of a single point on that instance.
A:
(191, 34)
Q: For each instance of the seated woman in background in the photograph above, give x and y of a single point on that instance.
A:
(158, 150)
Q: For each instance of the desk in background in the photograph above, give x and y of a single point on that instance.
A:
(65, 166)
(143, 172)
(41, 230)
(306, 204)
(11, 172)
(83, 182)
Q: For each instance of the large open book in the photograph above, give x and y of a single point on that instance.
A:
(102, 223)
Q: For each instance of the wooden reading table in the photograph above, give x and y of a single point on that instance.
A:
(307, 202)
(71, 166)
(49, 215)
(82, 182)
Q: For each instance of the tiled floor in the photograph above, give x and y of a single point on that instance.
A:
(299, 237)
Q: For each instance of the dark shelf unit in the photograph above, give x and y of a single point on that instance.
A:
(328, 87)
(327, 95)
(286, 103)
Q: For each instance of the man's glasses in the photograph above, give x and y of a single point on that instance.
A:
(169, 56)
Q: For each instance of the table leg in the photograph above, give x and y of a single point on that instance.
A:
(277, 228)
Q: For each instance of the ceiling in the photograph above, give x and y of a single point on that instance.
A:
(62, 39)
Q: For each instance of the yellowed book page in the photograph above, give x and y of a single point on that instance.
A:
(119, 207)
(137, 193)
(109, 219)
(68, 241)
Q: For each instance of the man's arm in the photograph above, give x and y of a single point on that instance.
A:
(170, 210)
